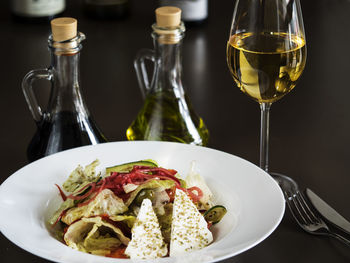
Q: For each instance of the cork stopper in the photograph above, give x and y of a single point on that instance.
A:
(63, 28)
(168, 16)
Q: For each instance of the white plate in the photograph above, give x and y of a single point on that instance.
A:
(254, 201)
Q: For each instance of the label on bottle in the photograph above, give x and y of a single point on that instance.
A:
(105, 2)
(38, 8)
(192, 10)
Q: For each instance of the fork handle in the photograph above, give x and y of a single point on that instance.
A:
(341, 238)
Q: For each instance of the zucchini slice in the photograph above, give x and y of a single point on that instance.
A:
(127, 167)
(215, 214)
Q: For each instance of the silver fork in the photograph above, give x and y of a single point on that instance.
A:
(301, 211)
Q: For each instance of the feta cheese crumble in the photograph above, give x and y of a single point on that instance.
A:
(147, 241)
(189, 230)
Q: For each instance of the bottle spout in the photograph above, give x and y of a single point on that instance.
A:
(168, 16)
(168, 28)
(63, 28)
(65, 38)
(81, 36)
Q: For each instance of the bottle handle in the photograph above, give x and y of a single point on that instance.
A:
(27, 87)
(140, 68)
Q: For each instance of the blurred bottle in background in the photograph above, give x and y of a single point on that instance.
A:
(37, 11)
(194, 12)
(106, 9)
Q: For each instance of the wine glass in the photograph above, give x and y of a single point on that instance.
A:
(266, 54)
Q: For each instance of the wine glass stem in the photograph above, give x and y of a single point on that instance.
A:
(264, 135)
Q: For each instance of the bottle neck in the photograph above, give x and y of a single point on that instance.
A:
(168, 70)
(66, 94)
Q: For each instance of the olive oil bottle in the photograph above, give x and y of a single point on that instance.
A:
(167, 114)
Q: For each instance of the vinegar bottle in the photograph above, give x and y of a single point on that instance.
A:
(167, 114)
(66, 123)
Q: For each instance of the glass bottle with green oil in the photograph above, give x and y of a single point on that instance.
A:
(167, 114)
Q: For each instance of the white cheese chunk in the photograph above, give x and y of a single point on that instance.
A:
(189, 230)
(146, 241)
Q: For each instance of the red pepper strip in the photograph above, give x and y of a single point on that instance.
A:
(172, 171)
(80, 197)
(88, 201)
(209, 224)
(194, 197)
(86, 186)
(198, 190)
(64, 197)
(167, 171)
(167, 176)
(171, 194)
(59, 217)
(118, 253)
(96, 194)
(173, 178)
(115, 183)
(137, 177)
(81, 190)
(159, 169)
(116, 180)
(102, 186)
(124, 197)
(162, 177)
(114, 173)
(177, 182)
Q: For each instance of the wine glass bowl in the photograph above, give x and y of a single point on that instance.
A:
(266, 54)
(266, 66)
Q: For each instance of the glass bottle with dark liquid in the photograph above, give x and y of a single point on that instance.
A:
(66, 123)
(167, 114)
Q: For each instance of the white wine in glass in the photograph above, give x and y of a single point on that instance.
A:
(266, 54)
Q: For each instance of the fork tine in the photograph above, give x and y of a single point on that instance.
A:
(304, 209)
(308, 211)
(300, 210)
(295, 210)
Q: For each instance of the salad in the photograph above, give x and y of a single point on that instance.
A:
(135, 210)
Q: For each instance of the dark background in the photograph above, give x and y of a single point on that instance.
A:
(310, 128)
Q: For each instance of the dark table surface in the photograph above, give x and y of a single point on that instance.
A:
(310, 128)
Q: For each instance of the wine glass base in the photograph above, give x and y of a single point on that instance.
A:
(284, 181)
